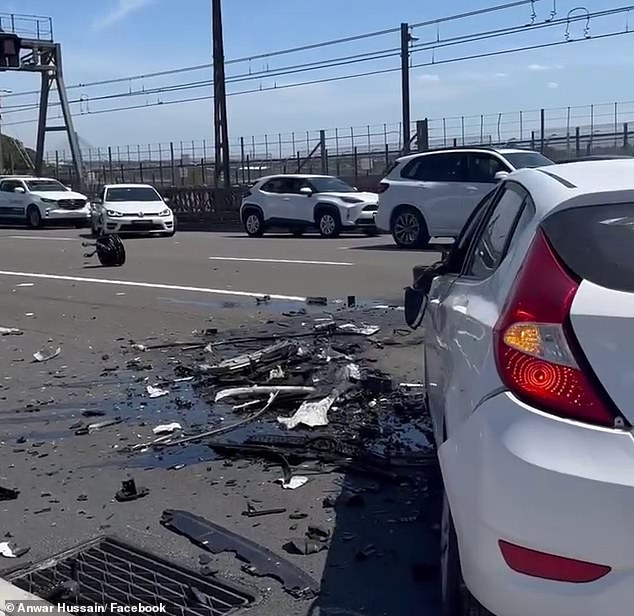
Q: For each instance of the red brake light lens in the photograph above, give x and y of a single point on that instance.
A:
(536, 352)
(383, 186)
(550, 567)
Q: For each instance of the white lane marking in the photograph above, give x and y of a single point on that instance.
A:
(43, 237)
(153, 285)
(299, 262)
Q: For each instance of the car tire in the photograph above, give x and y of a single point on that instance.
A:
(254, 223)
(409, 229)
(328, 223)
(456, 598)
(33, 217)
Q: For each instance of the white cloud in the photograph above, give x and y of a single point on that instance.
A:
(501, 75)
(538, 67)
(429, 78)
(120, 11)
(553, 85)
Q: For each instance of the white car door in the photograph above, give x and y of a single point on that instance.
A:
(12, 204)
(463, 309)
(439, 192)
(481, 176)
(277, 199)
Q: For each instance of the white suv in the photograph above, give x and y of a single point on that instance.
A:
(41, 200)
(432, 194)
(299, 202)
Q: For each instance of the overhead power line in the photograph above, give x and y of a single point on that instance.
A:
(338, 62)
(291, 50)
(353, 76)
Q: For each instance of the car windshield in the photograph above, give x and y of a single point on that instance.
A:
(45, 185)
(323, 185)
(528, 160)
(132, 193)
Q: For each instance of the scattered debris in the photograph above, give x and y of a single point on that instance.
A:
(156, 392)
(90, 428)
(109, 250)
(304, 547)
(46, 354)
(139, 347)
(10, 331)
(297, 481)
(351, 301)
(93, 413)
(10, 550)
(411, 385)
(298, 515)
(362, 330)
(43, 510)
(276, 374)
(317, 301)
(8, 494)
(265, 299)
(252, 512)
(366, 552)
(329, 502)
(130, 492)
(257, 390)
(352, 373)
(261, 561)
(169, 428)
(317, 533)
(311, 414)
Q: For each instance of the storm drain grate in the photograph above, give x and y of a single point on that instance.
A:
(111, 572)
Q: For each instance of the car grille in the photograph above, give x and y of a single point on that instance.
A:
(109, 571)
(71, 204)
(371, 208)
(141, 225)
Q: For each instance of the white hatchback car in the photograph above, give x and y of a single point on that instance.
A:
(529, 372)
(132, 208)
(299, 202)
(432, 194)
(42, 200)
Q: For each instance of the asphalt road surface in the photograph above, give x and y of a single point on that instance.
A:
(167, 289)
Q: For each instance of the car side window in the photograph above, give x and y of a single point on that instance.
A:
(444, 167)
(9, 185)
(490, 247)
(276, 185)
(483, 167)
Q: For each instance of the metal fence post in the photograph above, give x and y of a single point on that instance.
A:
(462, 126)
(577, 142)
(279, 142)
(242, 158)
(141, 171)
(299, 162)
(110, 164)
(322, 151)
(625, 137)
(160, 154)
(248, 170)
(616, 123)
(422, 135)
(481, 129)
(542, 130)
(521, 126)
(172, 163)
(57, 163)
(387, 152)
(356, 165)
(203, 179)
(122, 174)
(532, 140)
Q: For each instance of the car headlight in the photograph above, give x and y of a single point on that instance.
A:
(46, 200)
(114, 214)
(165, 212)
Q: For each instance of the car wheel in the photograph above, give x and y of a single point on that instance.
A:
(409, 229)
(254, 223)
(456, 598)
(33, 217)
(329, 224)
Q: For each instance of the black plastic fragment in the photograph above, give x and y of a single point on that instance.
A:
(261, 561)
(130, 492)
(8, 494)
(304, 547)
(252, 512)
(317, 301)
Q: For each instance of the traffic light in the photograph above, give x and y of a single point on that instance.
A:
(9, 50)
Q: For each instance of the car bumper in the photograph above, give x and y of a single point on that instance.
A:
(153, 224)
(365, 220)
(54, 214)
(547, 484)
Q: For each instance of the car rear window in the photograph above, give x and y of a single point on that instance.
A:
(596, 243)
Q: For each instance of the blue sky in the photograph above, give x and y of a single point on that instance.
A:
(117, 38)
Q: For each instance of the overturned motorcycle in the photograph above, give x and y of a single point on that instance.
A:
(109, 250)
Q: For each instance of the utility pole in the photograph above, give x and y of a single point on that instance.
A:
(221, 131)
(405, 40)
(1, 144)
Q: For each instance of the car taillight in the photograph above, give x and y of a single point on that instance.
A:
(382, 187)
(534, 343)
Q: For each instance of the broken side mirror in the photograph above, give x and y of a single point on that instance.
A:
(415, 302)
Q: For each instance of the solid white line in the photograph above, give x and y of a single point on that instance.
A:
(42, 237)
(153, 285)
(299, 262)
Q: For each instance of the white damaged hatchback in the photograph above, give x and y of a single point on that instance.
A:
(529, 366)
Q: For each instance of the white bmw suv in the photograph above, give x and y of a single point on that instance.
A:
(529, 376)
(299, 202)
(432, 194)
